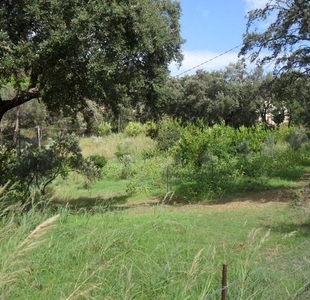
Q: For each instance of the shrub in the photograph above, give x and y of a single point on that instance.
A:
(133, 129)
(127, 167)
(297, 139)
(122, 149)
(151, 130)
(169, 132)
(98, 160)
(39, 167)
(103, 129)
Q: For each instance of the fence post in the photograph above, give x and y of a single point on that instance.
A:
(39, 135)
(224, 282)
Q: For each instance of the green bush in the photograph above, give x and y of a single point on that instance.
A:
(210, 160)
(103, 129)
(297, 139)
(169, 132)
(98, 160)
(122, 149)
(151, 130)
(13, 189)
(133, 129)
(127, 167)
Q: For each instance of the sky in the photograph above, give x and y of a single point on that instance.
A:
(210, 28)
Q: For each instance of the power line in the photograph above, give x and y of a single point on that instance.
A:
(207, 61)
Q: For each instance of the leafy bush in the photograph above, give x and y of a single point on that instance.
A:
(13, 188)
(39, 167)
(209, 160)
(297, 139)
(151, 130)
(98, 160)
(103, 129)
(122, 149)
(169, 132)
(133, 129)
(127, 167)
(148, 154)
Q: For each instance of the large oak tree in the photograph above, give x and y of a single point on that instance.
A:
(65, 52)
(280, 34)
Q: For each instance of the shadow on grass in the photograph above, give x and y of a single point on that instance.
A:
(293, 174)
(293, 229)
(94, 204)
(260, 190)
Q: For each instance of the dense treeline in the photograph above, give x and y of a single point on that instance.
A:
(235, 96)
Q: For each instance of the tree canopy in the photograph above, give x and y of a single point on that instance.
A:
(286, 39)
(65, 52)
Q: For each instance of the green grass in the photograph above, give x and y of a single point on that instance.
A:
(147, 177)
(158, 254)
(101, 250)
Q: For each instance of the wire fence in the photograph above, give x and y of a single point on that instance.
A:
(34, 135)
(286, 277)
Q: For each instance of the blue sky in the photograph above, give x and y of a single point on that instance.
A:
(211, 27)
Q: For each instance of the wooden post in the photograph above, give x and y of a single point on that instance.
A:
(38, 135)
(224, 282)
(16, 139)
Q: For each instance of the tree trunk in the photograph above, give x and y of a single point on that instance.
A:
(21, 98)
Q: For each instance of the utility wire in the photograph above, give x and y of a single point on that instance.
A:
(207, 61)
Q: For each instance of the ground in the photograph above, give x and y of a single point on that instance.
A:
(256, 201)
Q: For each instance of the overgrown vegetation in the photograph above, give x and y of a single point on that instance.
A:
(142, 135)
(157, 254)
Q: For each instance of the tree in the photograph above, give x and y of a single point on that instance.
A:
(291, 91)
(232, 96)
(286, 38)
(65, 52)
(39, 167)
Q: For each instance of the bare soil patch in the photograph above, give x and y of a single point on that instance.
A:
(255, 201)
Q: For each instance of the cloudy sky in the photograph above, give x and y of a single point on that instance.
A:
(210, 28)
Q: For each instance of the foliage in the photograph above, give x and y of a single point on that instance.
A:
(151, 129)
(30, 114)
(209, 160)
(39, 167)
(297, 139)
(169, 131)
(286, 37)
(13, 188)
(122, 150)
(99, 161)
(68, 52)
(236, 96)
(103, 129)
(127, 166)
(133, 129)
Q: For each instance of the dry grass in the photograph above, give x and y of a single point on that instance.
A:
(107, 146)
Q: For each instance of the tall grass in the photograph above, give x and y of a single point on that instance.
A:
(108, 146)
(155, 255)
(15, 248)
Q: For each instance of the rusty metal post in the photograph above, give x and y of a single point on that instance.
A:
(224, 282)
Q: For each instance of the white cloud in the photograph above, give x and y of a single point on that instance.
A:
(208, 60)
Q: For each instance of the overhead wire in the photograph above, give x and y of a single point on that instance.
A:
(210, 59)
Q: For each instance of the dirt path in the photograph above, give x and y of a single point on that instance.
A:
(256, 201)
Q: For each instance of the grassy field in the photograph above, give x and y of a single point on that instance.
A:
(149, 175)
(105, 241)
(158, 253)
